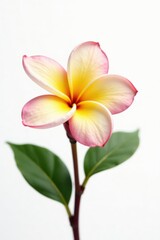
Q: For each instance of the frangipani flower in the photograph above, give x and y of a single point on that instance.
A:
(85, 96)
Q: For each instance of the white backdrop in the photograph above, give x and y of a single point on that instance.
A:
(122, 203)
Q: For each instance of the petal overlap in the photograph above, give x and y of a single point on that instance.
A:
(91, 124)
(113, 91)
(83, 98)
(86, 62)
(46, 111)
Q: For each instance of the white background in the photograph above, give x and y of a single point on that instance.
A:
(119, 204)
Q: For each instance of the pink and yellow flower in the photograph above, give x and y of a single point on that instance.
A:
(85, 96)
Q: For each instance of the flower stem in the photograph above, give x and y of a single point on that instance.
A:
(74, 219)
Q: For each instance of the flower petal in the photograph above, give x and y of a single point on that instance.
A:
(91, 124)
(48, 74)
(115, 92)
(86, 63)
(46, 111)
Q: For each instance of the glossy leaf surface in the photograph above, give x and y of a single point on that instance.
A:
(44, 171)
(120, 147)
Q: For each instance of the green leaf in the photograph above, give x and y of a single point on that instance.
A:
(120, 147)
(44, 171)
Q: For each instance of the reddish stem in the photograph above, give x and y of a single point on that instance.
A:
(74, 219)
